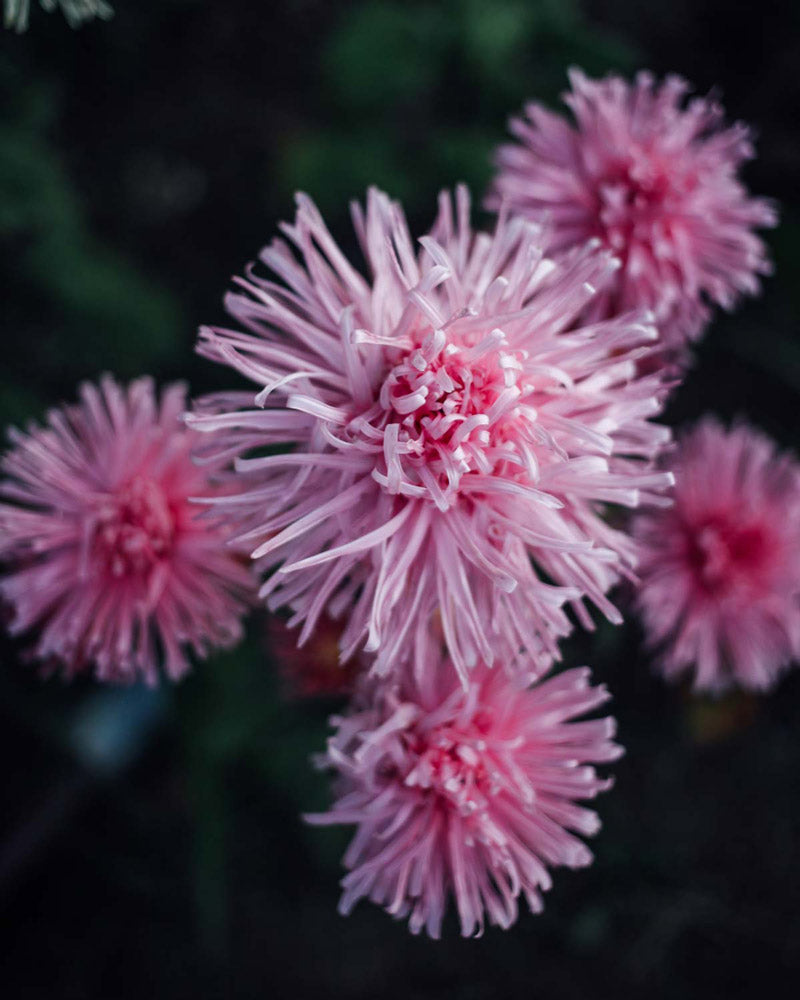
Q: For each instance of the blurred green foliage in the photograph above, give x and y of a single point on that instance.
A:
(416, 93)
(83, 306)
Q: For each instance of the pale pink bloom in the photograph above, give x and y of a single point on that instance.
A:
(450, 420)
(470, 793)
(105, 555)
(720, 570)
(656, 180)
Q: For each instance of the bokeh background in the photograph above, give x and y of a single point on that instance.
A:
(150, 842)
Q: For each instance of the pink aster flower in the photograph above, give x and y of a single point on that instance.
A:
(656, 181)
(105, 554)
(465, 792)
(450, 421)
(720, 570)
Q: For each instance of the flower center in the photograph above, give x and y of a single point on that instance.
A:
(464, 763)
(723, 555)
(631, 202)
(443, 412)
(453, 766)
(134, 528)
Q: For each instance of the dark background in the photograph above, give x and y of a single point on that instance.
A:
(150, 843)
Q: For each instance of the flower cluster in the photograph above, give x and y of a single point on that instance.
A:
(431, 474)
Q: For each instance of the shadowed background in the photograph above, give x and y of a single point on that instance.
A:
(149, 841)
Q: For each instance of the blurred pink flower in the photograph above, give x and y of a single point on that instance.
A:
(105, 554)
(449, 421)
(720, 570)
(656, 182)
(465, 792)
(313, 671)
